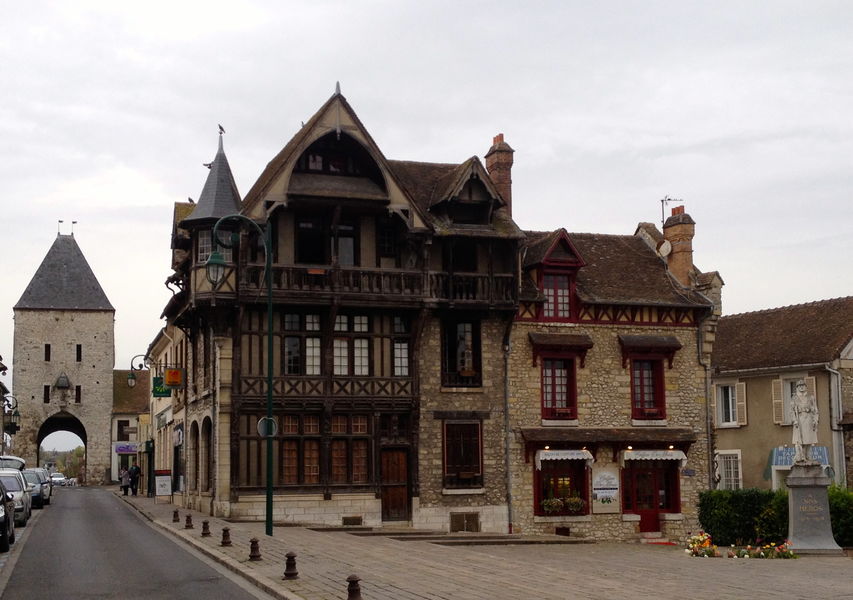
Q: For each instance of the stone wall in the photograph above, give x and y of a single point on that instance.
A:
(310, 509)
(433, 508)
(604, 400)
(63, 330)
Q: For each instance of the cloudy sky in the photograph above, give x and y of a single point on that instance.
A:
(741, 109)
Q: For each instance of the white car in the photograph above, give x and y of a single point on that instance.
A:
(22, 493)
(58, 479)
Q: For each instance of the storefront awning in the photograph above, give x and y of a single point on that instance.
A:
(653, 455)
(584, 455)
(783, 456)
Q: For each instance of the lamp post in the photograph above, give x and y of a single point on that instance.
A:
(215, 268)
(131, 377)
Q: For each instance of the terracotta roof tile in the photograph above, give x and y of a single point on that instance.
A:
(131, 400)
(791, 335)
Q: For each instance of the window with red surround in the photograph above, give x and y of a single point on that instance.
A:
(556, 289)
(559, 391)
(561, 480)
(462, 455)
(647, 389)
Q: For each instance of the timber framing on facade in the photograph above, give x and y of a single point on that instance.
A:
(415, 329)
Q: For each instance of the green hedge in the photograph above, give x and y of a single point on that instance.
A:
(754, 516)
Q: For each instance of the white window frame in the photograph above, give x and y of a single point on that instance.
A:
(401, 358)
(723, 481)
(205, 245)
(722, 421)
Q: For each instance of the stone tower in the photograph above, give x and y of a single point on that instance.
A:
(64, 355)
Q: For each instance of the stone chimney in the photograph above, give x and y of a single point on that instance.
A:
(499, 166)
(678, 231)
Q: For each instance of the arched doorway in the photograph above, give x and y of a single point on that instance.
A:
(73, 465)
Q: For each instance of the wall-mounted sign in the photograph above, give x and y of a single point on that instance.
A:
(126, 448)
(605, 489)
(159, 390)
(173, 378)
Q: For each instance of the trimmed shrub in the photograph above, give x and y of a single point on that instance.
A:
(841, 513)
(743, 517)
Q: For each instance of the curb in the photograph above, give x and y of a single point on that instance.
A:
(225, 561)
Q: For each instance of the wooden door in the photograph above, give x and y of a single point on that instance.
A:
(395, 485)
(646, 497)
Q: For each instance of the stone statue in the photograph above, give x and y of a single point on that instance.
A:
(804, 418)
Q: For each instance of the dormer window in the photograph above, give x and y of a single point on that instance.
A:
(556, 290)
(473, 205)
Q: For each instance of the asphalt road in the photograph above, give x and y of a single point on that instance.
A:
(89, 544)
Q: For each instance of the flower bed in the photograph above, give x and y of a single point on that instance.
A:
(701, 544)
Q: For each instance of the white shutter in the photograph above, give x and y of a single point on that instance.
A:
(740, 395)
(712, 405)
(811, 387)
(778, 403)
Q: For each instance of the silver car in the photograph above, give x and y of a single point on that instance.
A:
(21, 491)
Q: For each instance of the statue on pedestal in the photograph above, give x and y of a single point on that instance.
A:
(804, 418)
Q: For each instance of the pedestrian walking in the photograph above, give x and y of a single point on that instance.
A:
(124, 478)
(134, 477)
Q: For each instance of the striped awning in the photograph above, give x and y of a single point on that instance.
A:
(584, 455)
(653, 455)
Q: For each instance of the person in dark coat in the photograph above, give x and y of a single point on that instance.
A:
(134, 472)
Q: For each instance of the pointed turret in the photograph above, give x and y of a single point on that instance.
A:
(64, 281)
(219, 197)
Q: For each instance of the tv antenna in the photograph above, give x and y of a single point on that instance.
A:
(663, 202)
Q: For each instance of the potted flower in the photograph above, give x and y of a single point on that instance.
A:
(574, 505)
(552, 505)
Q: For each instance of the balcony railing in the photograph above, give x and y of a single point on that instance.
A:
(457, 288)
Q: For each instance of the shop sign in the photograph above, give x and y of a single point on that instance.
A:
(173, 378)
(605, 489)
(127, 448)
(159, 390)
(163, 482)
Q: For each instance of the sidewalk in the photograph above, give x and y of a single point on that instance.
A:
(411, 568)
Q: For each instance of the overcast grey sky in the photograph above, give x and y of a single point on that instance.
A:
(109, 109)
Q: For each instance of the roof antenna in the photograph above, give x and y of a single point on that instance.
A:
(58, 223)
(73, 223)
(664, 201)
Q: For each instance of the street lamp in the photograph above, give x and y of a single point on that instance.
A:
(215, 270)
(131, 377)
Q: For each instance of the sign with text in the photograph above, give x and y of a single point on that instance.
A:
(163, 482)
(159, 390)
(173, 378)
(605, 489)
(127, 448)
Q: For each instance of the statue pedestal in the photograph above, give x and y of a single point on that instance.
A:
(809, 527)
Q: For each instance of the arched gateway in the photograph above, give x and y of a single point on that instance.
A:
(64, 355)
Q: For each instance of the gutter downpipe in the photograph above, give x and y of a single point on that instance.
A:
(709, 423)
(508, 438)
(836, 414)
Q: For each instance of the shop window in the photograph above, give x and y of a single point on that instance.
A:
(564, 480)
(647, 390)
(462, 455)
(461, 340)
(559, 395)
(556, 291)
(311, 461)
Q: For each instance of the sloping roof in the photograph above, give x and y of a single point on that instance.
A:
(219, 196)
(620, 269)
(64, 281)
(131, 400)
(801, 334)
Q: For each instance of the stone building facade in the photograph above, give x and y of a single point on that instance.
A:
(63, 358)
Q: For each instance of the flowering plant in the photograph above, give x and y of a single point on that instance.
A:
(552, 505)
(701, 545)
(771, 550)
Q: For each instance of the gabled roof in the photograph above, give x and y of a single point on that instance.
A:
(618, 269)
(554, 245)
(64, 281)
(131, 400)
(801, 334)
(219, 196)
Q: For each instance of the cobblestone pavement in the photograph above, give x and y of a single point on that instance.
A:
(416, 569)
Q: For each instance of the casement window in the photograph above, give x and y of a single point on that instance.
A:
(351, 354)
(463, 455)
(348, 460)
(556, 291)
(647, 389)
(386, 239)
(300, 460)
(349, 455)
(205, 238)
(560, 479)
(728, 465)
(301, 345)
(559, 392)
(783, 390)
(461, 356)
(728, 404)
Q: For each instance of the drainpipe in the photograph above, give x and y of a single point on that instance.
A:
(709, 422)
(508, 438)
(836, 414)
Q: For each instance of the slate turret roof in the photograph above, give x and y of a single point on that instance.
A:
(219, 196)
(64, 281)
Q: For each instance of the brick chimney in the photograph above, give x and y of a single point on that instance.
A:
(678, 231)
(499, 166)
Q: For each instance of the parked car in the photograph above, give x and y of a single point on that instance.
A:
(21, 491)
(7, 518)
(41, 486)
(58, 479)
(7, 461)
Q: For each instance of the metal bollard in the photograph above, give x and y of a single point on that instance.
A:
(353, 589)
(189, 522)
(254, 549)
(290, 571)
(205, 529)
(175, 517)
(226, 537)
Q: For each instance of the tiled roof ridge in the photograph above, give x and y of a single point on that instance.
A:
(786, 307)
